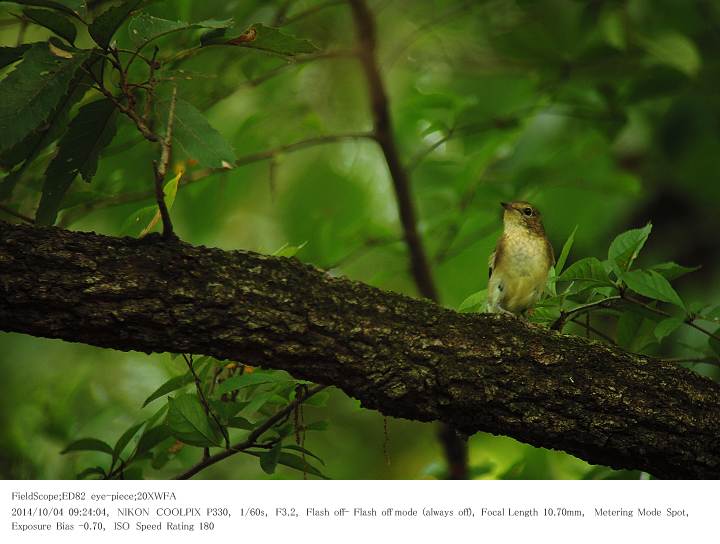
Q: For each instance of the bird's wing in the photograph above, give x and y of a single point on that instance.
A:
(496, 255)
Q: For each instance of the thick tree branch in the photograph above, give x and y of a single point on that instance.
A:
(454, 446)
(405, 357)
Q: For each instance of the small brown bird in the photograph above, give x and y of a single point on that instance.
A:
(520, 264)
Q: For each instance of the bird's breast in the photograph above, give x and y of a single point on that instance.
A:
(526, 256)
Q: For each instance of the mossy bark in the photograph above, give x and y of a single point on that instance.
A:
(405, 357)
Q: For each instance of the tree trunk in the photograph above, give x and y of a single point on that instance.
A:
(405, 357)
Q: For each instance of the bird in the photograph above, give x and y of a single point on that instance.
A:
(521, 262)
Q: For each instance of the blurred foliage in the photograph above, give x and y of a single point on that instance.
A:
(603, 113)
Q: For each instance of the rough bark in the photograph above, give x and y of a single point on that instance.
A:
(405, 357)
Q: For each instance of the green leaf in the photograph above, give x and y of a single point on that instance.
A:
(303, 450)
(560, 263)
(650, 284)
(88, 444)
(714, 343)
(90, 471)
(319, 399)
(197, 138)
(59, 24)
(189, 423)
(263, 38)
(289, 251)
(626, 247)
(674, 50)
(298, 463)
(124, 440)
(293, 461)
(634, 332)
(144, 28)
(317, 426)
(169, 386)
(238, 422)
(248, 379)
(71, 9)
(104, 26)
(588, 272)
(92, 129)
(151, 438)
(269, 459)
(8, 55)
(671, 271)
(33, 91)
(475, 301)
(667, 326)
(169, 193)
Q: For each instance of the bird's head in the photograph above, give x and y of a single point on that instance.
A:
(522, 215)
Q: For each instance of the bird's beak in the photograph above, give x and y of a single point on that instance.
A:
(505, 205)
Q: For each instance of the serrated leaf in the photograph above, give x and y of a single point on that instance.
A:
(625, 248)
(196, 138)
(59, 24)
(104, 26)
(560, 263)
(671, 270)
(145, 28)
(173, 384)
(667, 326)
(263, 38)
(588, 272)
(8, 55)
(89, 133)
(189, 423)
(88, 444)
(476, 300)
(269, 459)
(33, 91)
(26, 151)
(649, 283)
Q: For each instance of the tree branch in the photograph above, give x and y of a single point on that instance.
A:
(252, 438)
(366, 37)
(405, 357)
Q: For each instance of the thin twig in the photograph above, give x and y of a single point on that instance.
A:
(592, 329)
(17, 215)
(160, 168)
(128, 198)
(251, 440)
(382, 123)
(559, 323)
(203, 399)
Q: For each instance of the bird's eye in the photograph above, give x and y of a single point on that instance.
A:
(528, 211)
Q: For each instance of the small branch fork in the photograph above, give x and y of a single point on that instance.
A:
(252, 439)
(160, 169)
